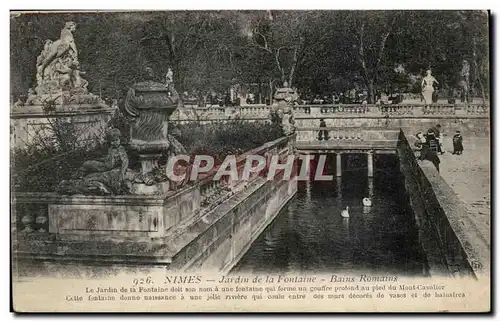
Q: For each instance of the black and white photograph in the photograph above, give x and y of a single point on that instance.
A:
(250, 160)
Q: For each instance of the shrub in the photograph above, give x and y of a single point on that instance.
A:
(54, 153)
(50, 159)
(222, 139)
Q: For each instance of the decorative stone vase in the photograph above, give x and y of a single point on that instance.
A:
(151, 105)
(27, 221)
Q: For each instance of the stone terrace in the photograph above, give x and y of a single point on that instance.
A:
(469, 176)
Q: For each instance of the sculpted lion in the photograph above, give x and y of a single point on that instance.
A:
(60, 47)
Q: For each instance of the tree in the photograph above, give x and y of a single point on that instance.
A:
(285, 36)
(183, 39)
(370, 32)
(316, 51)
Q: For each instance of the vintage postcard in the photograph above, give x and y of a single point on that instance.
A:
(250, 161)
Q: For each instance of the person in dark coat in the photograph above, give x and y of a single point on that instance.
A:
(323, 134)
(426, 153)
(458, 147)
(439, 137)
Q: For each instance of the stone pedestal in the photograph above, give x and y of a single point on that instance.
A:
(30, 121)
(151, 104)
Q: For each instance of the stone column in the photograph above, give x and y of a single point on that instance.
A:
(339, 165)
(370, 164)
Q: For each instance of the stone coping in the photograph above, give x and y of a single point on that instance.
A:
(473, 243)
(461, 105)
(155, 200)
(315, 116)
(143, 250)
(190, 230)
(256, 151)
(55, 198)
(349, 128)
(347, 144)
(36, 111)
(380, 115)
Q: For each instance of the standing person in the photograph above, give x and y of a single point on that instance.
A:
(439, 136)
(457, 143)
(323, 134)
(169, 78)
(426, 153)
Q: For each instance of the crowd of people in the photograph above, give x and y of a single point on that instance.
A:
(431, 144)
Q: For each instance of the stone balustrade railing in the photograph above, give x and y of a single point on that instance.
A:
(333, 109)
(477, 109)
(30, 210)
(256, 112)
(212, 191)
(440, 109)
(346, 134)
(393, 109)
(32, 218)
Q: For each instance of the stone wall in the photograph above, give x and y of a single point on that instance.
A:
(186, 229)
(472, 120)
(469, 126)
(449, 239)
(30, 122)
(233, 227)
(348, 133)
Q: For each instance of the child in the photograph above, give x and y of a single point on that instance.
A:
(457, 143)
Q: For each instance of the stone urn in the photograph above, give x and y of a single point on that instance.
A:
(150, 104)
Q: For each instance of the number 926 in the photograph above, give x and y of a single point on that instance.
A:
(142, 281)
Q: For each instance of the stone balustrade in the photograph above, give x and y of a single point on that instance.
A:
(33, 218)
(440, 109)
(400, 109)
(261, 112)
(41, 213)
(311, 134)
(477, 109)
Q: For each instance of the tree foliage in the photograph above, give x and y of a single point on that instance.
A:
(315, 51)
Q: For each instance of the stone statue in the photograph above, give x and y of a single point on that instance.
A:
(65, 45)
(59, 78)
(281, 111)
(149, 104)
(40, 59)
(464, 82)
(169, 79)
(466, 70)
(69, 75)
(32, 98)
(107, 176)
(428, 88)
(19, 103)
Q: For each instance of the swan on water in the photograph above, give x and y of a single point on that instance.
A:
(367, 202)
(345, 212)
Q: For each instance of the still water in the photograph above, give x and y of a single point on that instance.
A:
(310, 235)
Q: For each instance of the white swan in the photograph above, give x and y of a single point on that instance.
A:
(367, 202)
(345, 212)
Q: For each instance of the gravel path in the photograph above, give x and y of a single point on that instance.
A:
(469, 176)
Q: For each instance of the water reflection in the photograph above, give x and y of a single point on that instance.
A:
(310, 234)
